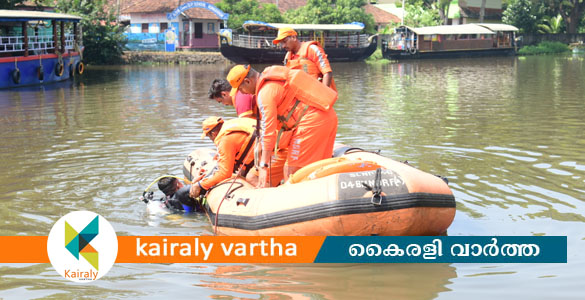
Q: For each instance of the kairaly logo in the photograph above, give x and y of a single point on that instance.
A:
(82, 246)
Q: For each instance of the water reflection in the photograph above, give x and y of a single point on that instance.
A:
(325, 281)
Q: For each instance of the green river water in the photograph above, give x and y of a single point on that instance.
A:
(508, 133)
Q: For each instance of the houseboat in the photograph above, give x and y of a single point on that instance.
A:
(342, 43)
(38, 47)
(450, 41)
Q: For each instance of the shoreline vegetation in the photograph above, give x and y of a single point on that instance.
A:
(377, 58)
(544, 48)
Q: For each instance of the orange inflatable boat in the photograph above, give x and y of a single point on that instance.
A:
(356, 193)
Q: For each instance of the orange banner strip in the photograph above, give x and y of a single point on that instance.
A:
(180, 249)
(23, 249)
(217, 249)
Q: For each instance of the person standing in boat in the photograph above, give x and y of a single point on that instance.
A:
(245, 104)
(235, 141)
(308, 56)
(281, 110)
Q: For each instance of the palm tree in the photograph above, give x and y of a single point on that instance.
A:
(551, 24)
(482, 11)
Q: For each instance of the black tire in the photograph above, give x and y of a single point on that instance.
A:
(41, 73)
(79, 68)
(59, 69)
(15, 74)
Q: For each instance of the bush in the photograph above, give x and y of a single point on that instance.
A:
(544, 48)
(377, 57)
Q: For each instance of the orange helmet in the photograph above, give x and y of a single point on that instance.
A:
(209, 124)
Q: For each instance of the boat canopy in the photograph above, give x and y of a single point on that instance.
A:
(451, 29)
(498, 27)
(257, 25)
(25, 15)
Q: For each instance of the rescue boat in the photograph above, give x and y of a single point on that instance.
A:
(356, 193)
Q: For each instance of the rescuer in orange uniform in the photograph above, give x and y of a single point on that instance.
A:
(235, 144)
(288, 100)
(245, 105)
(308, 56)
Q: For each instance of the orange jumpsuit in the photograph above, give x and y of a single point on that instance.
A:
(312, 59)
(311, 140)
(228, 148)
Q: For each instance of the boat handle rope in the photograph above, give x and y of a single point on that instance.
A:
(229, 190)
(376, 189)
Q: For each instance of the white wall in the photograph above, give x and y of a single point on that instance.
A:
(162, 18)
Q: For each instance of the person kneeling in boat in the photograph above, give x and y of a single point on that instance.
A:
(289, 101)
(245, 105)
(235, 141)
(177, 195)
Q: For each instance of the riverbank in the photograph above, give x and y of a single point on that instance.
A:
(146, 57)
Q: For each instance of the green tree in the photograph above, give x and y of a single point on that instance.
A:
(520, 14)
(13, 4)
(242, 11)
(418, 14)
(332, 12)
(428, 10)
(443, 8)
(551, 25)
(9, 4)
(103, 37)
(572, 12)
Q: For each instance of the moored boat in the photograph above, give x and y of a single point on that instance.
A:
(342, 43)
(38, 47)
(357, 193)
(450, 41)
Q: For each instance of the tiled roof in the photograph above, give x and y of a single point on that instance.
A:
(164, 6)
(286, 5)
(136, 6)
(381, 16)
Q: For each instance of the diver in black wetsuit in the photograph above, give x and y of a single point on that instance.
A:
(177, 195)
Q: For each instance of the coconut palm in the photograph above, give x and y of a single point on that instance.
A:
(551, 24)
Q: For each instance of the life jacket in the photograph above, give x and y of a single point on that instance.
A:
(305, 64)
(299, 87)
(246, 125)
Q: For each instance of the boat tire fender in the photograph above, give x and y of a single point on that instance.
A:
(15, 74)
(59, 68)
(40, 73)
(79, 67)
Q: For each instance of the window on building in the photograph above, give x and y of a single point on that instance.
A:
(210, 28)
(164, 26)
(144, 27)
